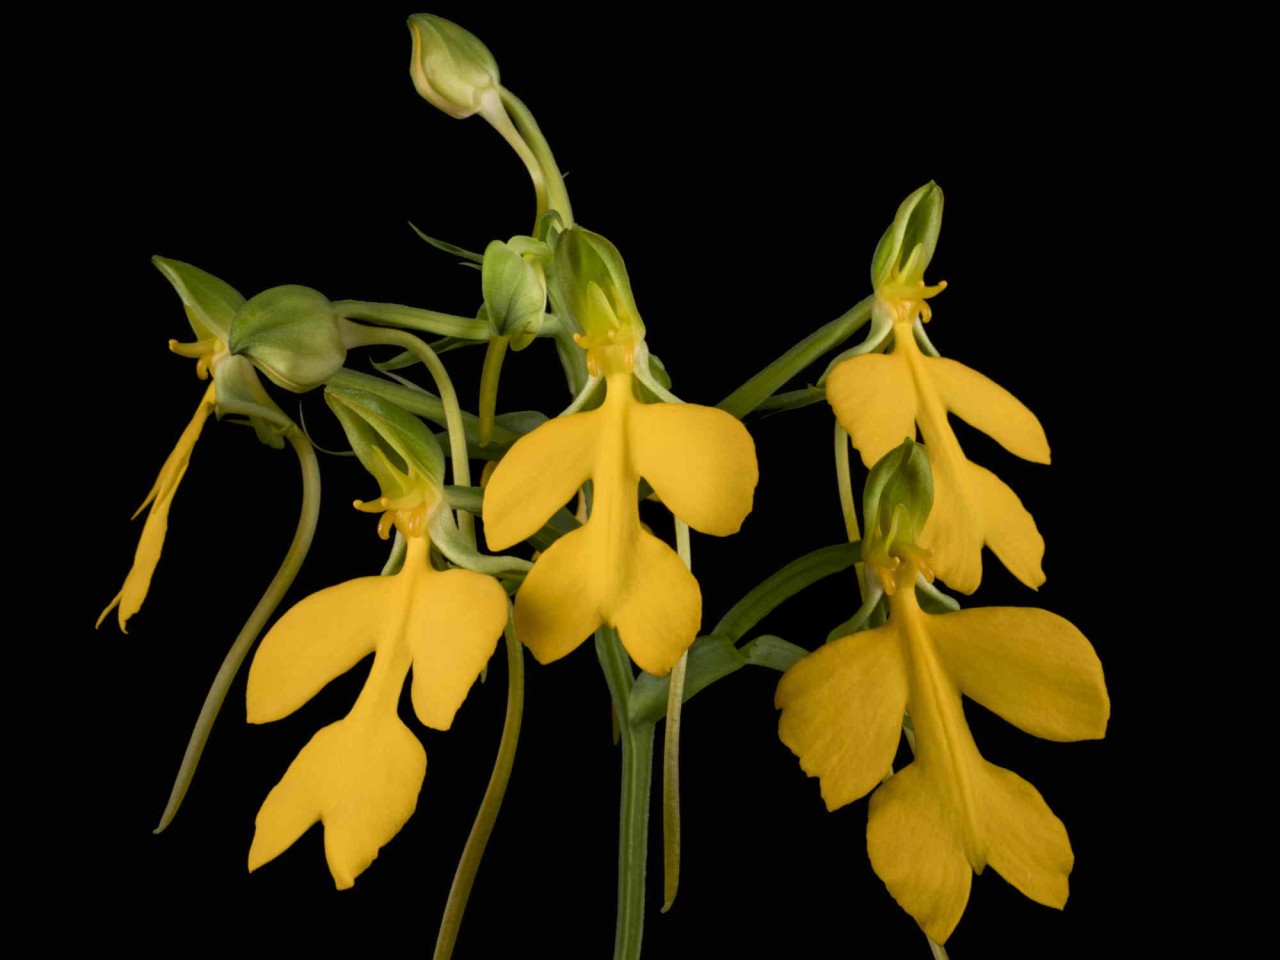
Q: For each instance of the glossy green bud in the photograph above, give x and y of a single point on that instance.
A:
(451, 68)
(293, 334)
(908, 245)
(210, 303)
(395, 446)
(515, 291)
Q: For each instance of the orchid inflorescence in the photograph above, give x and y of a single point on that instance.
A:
(565, 491)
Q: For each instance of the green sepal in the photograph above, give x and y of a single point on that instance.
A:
(933, 600)
(898, 496)
(515, 293)
(786, 583)
(549, 227)
(392, 444)
(871, 613)
(658, 371)
(908, 245)
(450, 541)
(594, 285)
(451, 69)
(292, 334)
(240, 393)
(447, 247)
(210, 303)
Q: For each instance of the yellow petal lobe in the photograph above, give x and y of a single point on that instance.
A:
(701, 462)
(954, 531)
(557, 607)
(320, 638)
(1009, 528)
(991, 408)
(457, 619)
(874, 399)
(1032, 667)
(360, 777)
(914, 848)
(1026, 843)
(138, 581)
(658, 607)
(842, 710)
(538, 475)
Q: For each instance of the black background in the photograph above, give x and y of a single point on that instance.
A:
(745, 167)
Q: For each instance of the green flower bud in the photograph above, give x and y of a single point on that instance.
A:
(593, 284)
(907, 246)
(515, 291)
(210, 303)
(451, 68)
(292, 334)
(898, 497)
(395, 446)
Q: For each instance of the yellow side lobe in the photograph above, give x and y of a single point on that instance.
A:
(361, 776)
(147, 556)
(842, 710)
(701, 462)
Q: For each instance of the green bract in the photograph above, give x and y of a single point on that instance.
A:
(292, 334)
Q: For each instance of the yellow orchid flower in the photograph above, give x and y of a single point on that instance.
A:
(949, 813)
(880, 398)
(699, 460)
(361, 776)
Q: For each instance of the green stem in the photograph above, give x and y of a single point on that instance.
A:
(376, 336)
(637, 777)
(412, 318)
(495, 112)
(275, 592)
(557, 195)
(765, 383)
(671, 754)
(489, 376)
(465, 877)
(844, 480)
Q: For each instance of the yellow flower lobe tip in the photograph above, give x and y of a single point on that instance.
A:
(539, 474)
(456, 620)
(360, 777)
(842, 710)
(700, 461)
(150, 543)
